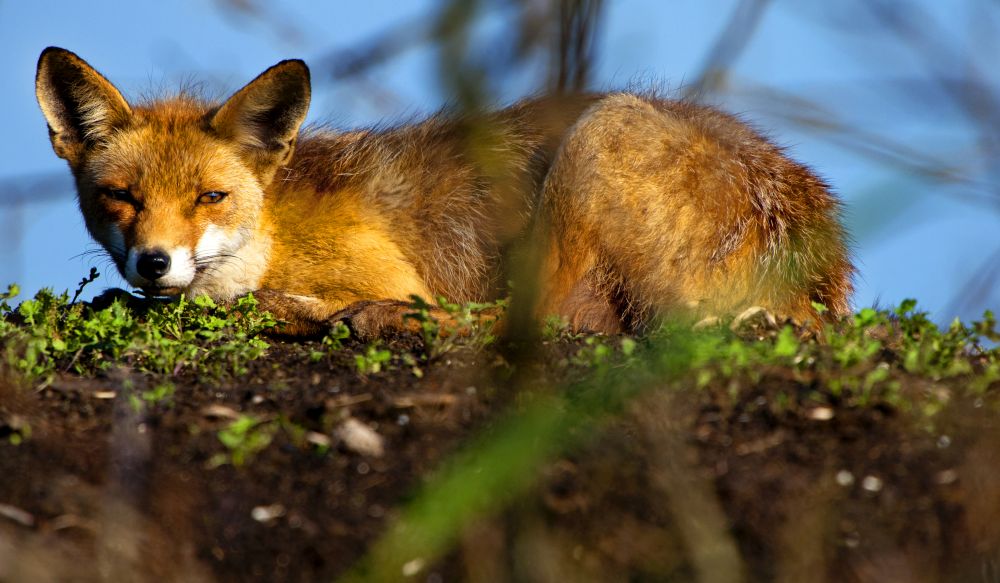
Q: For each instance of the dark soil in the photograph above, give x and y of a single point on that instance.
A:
(764, 480)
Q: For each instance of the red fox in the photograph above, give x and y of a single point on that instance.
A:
(637, 206)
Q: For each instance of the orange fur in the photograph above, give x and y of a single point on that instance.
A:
(639, 206)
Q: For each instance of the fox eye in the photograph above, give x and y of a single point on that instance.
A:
(212, 197)
(119, 194)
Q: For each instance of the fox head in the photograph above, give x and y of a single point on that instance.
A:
(173, 188)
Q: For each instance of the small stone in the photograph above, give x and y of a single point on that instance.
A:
(104, 394)
(219, 412)
(943, 442)
(844, 478)
(411, 568)
(821, 413)
(946, 477)
(22, 517)
(360, 438)
(318, 439)
(266, 514)
(709, 322)
(871, 484)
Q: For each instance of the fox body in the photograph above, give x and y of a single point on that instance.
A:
(636, 206)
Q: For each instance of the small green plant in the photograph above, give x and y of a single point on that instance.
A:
(333, 341)
(594, 353)
(599, 353)
(244, 438)
(18, 430)
(469, 324)
(373, 359)
(162, 394)
(411, 361)
(557, 327)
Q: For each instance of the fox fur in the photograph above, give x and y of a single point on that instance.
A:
(636, 206)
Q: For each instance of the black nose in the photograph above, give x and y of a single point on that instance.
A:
(153, 264)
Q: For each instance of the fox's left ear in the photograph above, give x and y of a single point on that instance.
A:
(264, 117)
(81, 107)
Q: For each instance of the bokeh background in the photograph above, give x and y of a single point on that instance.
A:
(896, 104)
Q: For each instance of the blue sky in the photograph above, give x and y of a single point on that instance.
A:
(913, 237)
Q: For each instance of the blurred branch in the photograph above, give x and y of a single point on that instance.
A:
(276, 20)
(917, 30)
(579, 23)
(574, 24)
(352, 61)
(18, 191)
(978, 288)
(810, 116)
(729, 45)
(12, 221)
(34, 188)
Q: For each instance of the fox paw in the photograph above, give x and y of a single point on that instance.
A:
(374, 318)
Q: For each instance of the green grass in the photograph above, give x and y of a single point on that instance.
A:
(49, 334)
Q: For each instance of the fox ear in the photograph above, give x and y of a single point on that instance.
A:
(264, 117)
(81, 106)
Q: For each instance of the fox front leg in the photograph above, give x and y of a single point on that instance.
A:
(298, 315)
(373, 319)
(376, 318)
(304, 316)
(366, 319)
